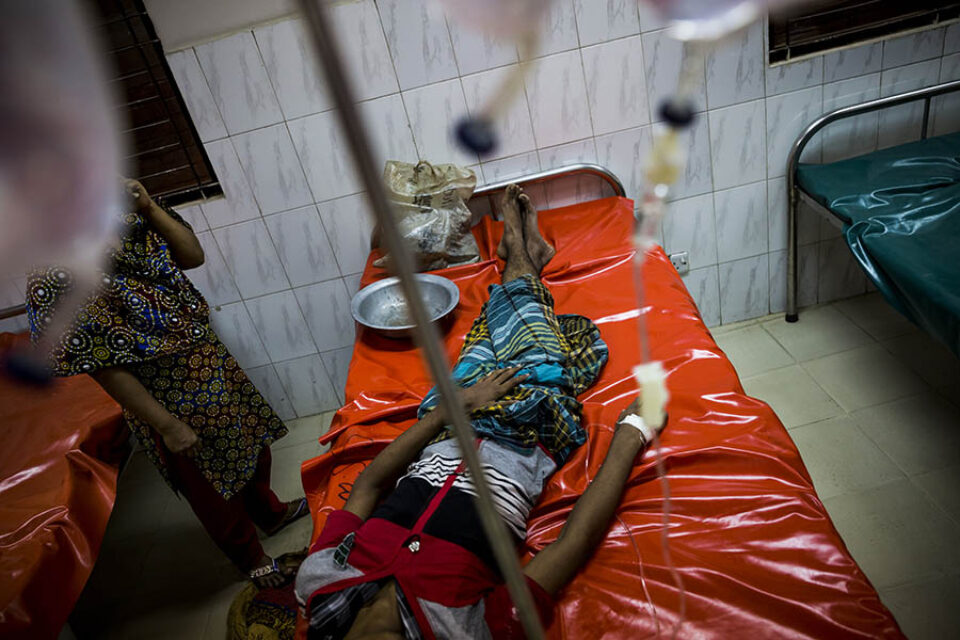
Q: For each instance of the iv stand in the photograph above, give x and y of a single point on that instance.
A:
(425, 332)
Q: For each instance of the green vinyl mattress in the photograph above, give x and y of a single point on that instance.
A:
(900, 209)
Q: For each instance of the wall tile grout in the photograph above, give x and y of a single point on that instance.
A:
(539, 154)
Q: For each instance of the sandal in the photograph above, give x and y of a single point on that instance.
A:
(301, 510)
(258, 575)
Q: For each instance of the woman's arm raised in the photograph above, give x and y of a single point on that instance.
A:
(183, 243)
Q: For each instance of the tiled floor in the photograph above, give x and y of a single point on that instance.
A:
(872, 403)
(158, 575)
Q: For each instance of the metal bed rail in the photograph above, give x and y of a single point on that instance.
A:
(794, 192)
(11, 312)
(582, 168)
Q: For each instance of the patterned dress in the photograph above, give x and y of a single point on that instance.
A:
(149, 318)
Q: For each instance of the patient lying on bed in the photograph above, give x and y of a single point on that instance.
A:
(417, 564)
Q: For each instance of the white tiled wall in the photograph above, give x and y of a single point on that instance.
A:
(285, 248)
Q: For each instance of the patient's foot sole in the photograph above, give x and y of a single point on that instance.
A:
(512, 220)
(539, 250)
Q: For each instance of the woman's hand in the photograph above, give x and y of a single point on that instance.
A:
(178, 437)
(491, 388)
(137, 194)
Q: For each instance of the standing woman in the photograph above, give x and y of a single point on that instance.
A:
(145, 337)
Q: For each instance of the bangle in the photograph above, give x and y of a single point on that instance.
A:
(640, 425)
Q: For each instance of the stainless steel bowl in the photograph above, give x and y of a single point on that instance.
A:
(382, 307)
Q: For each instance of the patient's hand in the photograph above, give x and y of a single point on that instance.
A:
(491, 388)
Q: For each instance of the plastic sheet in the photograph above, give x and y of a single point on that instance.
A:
(60, 453)
(757, 552)
(901, 213)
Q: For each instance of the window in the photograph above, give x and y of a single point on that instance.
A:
(164, 149)
(814, 27)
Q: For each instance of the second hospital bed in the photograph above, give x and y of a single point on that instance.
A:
(899, 209)
(752, 542)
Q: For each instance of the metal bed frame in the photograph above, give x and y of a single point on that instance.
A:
(552, 174)
(796, 193)
(10, 312)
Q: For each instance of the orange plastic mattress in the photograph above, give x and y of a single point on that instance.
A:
(60, 453)
(756, 551)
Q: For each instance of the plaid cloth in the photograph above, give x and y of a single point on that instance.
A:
(563, 355)
(332, 614)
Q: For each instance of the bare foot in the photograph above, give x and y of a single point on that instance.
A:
(511, 219)
(539, 250)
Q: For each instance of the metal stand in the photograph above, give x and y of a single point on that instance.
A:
(425, 333)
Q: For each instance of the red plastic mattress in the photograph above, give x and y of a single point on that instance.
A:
(60, 453)
(755, 548)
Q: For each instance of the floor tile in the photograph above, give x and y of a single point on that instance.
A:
(178, 516)
(293, 538)
(753, 351)
(863, 377)
(285, 470)
(137, 505)
(929, 359)
(181, 620)
(137, 470)
(820, 331)
(874, 315)
(304, 430)
(926, 610)
(116, 573)
(179, 609)
(180, 556)
(841, 459)
(733, 326)
(920, 433)
(896, 534)
(794, 396)
(218, 604)
(941, 486)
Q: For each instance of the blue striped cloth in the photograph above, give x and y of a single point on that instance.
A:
(562, 354)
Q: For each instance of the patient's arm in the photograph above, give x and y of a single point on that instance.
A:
(556, 565)
(384, 470)
(390, 463)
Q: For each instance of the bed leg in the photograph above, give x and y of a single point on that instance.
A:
(792, 249)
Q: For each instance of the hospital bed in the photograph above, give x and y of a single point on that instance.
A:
(756, 551)
(899, 209)
(61, 448)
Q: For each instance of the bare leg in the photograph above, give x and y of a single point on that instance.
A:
(512, 219)
(512, 246)
(538, 249)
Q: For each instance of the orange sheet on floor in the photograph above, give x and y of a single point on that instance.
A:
(60, 454)
(750, 539)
